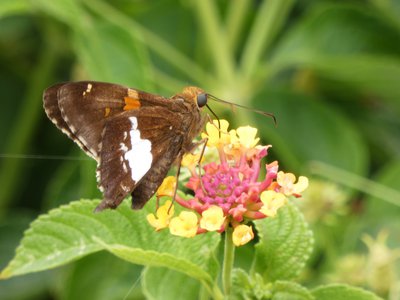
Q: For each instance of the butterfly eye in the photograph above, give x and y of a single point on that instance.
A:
(201, 99)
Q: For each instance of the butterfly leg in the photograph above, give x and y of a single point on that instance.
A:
(178, 172)
(193, 147)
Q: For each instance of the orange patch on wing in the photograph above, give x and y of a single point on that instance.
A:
(131, 103)
(107, 111)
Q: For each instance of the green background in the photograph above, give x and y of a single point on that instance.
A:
(328, 70)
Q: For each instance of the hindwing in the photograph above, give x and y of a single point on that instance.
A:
(138, 149)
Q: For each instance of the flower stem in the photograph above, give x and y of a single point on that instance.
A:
(229, 255)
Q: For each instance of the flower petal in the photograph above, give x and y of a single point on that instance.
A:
(247, 136)
(242, 234)
(288, 185)
(163, 215)
(212, 218)
(217, 136)
(190, 160)
(184, 225)
(301, 185)
(272, 202)
(167, 187)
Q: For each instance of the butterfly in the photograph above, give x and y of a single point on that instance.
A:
(134, 136)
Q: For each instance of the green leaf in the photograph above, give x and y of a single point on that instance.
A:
(67, 11)
(32, 286)
(367, 73)
(342, 292)
(287, 290)
(249, 287)
(73, 231)
(340, 29)
(13, 7)
(352, 47)
(118, 280)
(110, 53)
(107, 52)
(254, 287)
(285, 245)
(378, 210)
(309, 130)
(162, 283)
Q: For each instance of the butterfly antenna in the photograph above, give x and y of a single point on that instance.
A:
(219, 122)
(261, 112)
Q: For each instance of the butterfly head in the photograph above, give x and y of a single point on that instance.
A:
(195, 95)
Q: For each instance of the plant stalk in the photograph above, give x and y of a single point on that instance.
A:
(269, 20)
(23, 129)
(155, 43)
(357, 182)
(216, 39)
(229, 256)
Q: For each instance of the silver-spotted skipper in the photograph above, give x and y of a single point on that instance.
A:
(134, 136)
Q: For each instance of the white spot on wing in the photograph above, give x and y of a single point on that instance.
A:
(123, 147)
(88, 89)
(125, 188)
(139, 156)
(124, 167)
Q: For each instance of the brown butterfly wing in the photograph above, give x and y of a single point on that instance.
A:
(52, 109)
(81, 109)
(138, 149)
(110, 122)
(85, 108)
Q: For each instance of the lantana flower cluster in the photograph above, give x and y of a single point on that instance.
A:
(227, 193)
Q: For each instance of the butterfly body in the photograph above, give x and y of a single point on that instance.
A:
(134, 136)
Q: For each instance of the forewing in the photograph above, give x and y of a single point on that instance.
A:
(138, 148)
(81, 109)
(50, 104)
(85, 107)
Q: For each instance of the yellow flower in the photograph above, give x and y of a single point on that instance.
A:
(217, 136)
(247, 136)
(185, 225)
(163, 215)
(167, 188)
(190, 160)
(272, 202)
(212, 218)
(288, 187)
(242, 234)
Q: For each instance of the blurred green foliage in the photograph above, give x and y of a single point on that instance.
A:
(328, 70)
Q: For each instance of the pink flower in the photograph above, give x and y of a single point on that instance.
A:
(229, 193)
